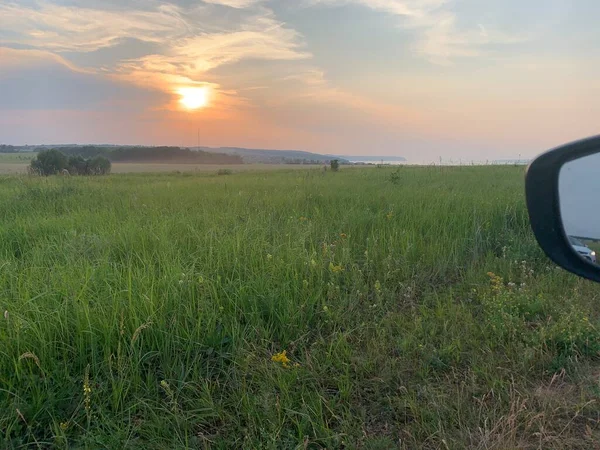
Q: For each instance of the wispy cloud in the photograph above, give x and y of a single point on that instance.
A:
(263, 37)
(58, 28)
(18, 59)
(439, 38)
(444, 41)
(235, 3)
(408, 8)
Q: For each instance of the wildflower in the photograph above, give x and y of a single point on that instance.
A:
(269, 257)
(87, 392)
(343, 235)
(495, 281)
(389, 215)
(282, 358)
(335, 269)
(6, 314)
(303, 219)
(325, 308)
(170, 394)
(378, 287)
(64, 426)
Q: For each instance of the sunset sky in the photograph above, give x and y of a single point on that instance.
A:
(470, 79)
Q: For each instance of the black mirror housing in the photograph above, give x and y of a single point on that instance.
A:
(543, 205)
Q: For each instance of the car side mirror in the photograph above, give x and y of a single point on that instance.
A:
(562, 189)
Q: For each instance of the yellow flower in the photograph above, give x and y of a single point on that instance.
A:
(269, 257)
(496, 281)
(335, 269)
(282, 358)
(64, 426)
(343, 235)
(87, 392)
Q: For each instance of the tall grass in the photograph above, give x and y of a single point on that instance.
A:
(144, 311)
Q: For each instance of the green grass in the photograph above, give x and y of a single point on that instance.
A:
(16, 158)
(143, 311)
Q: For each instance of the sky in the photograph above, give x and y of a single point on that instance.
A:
(423, 79)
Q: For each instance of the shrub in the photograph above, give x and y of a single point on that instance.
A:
(335, 165)
(51, 162)
(98, 165)
(224, 172)
(48, 162)
(395, 177)
(77, 165)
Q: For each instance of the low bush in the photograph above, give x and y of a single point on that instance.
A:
(52, 162)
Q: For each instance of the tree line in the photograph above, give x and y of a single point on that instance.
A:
(153, 155)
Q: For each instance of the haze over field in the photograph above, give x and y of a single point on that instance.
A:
(414, 78)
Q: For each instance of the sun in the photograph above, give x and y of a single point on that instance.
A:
(193, 97)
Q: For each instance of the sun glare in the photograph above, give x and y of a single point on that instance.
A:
(193, 97)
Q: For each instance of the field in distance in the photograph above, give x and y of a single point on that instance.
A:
(15, 163)
(369, 308)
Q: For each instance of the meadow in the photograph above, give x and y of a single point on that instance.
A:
(369, 308)
(18, 163)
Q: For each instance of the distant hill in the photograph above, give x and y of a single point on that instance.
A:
(375, 159)
(251, 155)
(198, 155)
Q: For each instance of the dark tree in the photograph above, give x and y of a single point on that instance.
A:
(335, 165)
(77, 165)
(48, 162)
(98, 165)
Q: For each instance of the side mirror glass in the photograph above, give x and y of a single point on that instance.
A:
(578, 195)
(562, 189)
